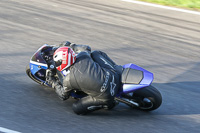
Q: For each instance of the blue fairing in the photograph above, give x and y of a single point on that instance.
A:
(146, 81)
(37, 62)
(35, 68)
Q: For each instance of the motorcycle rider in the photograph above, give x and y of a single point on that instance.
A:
(91, 72)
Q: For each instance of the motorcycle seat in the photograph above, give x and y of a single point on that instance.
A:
(131, 76)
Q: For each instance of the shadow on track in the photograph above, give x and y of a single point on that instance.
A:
(179, 98)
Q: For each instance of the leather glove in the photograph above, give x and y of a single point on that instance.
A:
(50, 77)
(63, 95)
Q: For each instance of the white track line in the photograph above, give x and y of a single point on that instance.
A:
(5, 130)
(164, 7)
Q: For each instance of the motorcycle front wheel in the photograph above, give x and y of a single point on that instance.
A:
(28, 72)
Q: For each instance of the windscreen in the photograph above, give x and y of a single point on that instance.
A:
(38, 57)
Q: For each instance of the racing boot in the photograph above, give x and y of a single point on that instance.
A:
(110, 105)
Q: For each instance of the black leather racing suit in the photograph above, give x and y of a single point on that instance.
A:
(93, 73)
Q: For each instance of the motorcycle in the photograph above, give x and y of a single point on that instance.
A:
(136, 91)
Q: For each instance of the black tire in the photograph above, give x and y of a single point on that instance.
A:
(28, 72)
(150, 94)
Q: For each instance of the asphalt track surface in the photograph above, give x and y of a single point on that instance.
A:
(164, 42)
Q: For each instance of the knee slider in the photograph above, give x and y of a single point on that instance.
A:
(86, 105)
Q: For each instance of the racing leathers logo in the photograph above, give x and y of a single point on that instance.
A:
(112, 86)
(104, 86)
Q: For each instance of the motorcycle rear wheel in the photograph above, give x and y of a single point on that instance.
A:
(148, 98)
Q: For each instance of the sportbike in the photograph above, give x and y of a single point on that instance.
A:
(136, 91)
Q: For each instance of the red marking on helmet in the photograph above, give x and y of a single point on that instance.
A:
(68, 57)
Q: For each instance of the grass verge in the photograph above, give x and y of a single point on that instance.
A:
(187, 4)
